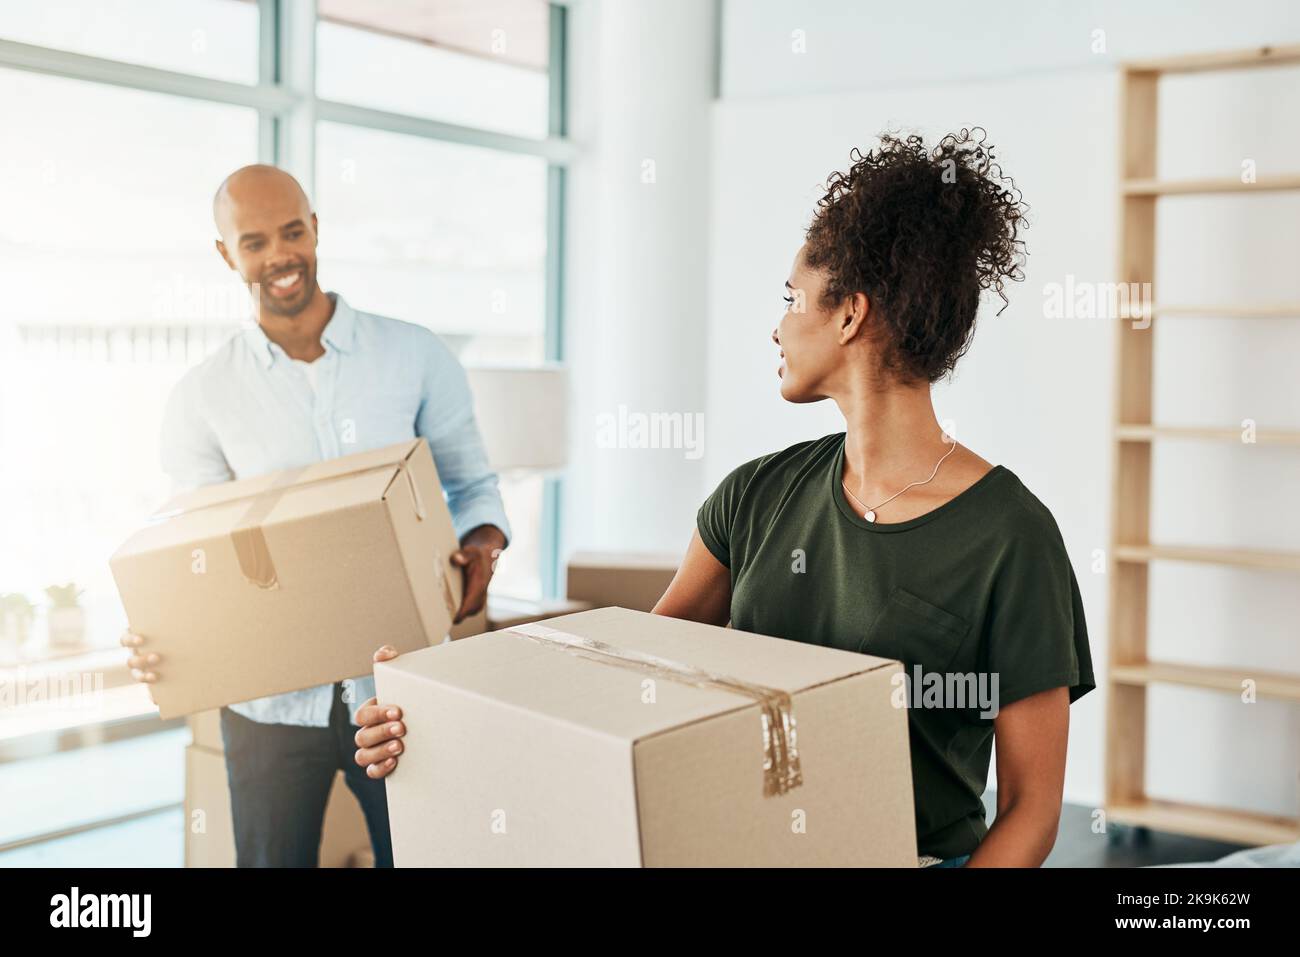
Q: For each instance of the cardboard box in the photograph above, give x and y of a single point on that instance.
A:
(205, 730)
(209, 827)
(505, 612)
(292, 579)
(473, 625)
(522, 751)
(635, 580)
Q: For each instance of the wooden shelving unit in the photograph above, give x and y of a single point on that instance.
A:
(1131, 672)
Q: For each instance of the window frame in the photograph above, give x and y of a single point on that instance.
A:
(289, 110)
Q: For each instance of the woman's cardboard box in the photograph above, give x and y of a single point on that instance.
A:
(614, 737)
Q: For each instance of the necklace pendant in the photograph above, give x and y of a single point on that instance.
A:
(869, 515)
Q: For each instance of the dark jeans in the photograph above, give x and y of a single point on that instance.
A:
(280, 778)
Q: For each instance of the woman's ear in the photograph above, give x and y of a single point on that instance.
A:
(856, 309)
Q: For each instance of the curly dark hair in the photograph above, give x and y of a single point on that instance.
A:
(923, 233)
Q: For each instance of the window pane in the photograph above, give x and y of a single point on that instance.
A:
(213, 38)
(481, 64)
(112, 288)
(448, 236)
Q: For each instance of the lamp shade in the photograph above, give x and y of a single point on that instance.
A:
(521, 413)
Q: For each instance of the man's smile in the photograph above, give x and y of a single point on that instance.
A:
(286, 285)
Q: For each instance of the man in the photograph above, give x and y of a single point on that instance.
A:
(314, 379)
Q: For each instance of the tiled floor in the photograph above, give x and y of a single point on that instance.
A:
(1078, 846)
(132, 778)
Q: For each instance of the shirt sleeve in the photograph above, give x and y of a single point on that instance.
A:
(1037, 637)
(716, 518)
(446, 421)
(191, 454)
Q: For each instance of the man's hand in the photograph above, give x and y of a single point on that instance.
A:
(477, 555)
(143, 664)
(378, 739)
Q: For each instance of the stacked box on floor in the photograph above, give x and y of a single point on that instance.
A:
(209, 827)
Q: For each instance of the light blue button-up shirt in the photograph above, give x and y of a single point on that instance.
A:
(248, 409)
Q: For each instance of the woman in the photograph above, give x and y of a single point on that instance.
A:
(891, 538)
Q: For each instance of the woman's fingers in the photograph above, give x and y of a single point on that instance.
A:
(370, 713)
(377, 738)
(131, 640)
(385, 653)
(379, 755)
(377, 734)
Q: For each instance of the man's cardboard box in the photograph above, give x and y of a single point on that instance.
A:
(614, 737)
(209, 827)
(635, 580)
(292, 579)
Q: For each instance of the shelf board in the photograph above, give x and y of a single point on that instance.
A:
(1220, 824)
(1279, 55)
(1268, 684)
(1227, 184)
(1245, 558)
(1272, 310)
(1147, 433)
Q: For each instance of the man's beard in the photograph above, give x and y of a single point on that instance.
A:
(289, 308)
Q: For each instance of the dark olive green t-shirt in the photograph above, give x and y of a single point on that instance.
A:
(978, 593)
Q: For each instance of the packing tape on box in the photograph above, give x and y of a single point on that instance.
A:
(781, 771)
(250, 542)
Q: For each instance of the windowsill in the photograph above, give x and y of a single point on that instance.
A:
(36, 699)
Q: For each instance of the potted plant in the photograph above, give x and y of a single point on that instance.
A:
(16, 614)
(67, 618)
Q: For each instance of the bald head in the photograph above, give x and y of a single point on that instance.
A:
(257, 185)
(268, 235)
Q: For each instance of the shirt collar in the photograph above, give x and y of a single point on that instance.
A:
(339, 333)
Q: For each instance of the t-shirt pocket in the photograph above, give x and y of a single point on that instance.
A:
(915, 632)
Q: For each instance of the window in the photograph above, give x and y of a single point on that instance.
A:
(449, 236)
(436, 188)
(430, 136)
(483, 65)
(212, 38)
(111, 290)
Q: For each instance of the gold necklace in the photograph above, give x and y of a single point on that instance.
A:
(869, 512)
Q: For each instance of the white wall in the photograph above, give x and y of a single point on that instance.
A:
(642, 76)
(1034, 393)
(870, 44)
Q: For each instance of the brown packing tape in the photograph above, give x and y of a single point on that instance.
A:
(781, 771)
(248, 538)
(250, 542)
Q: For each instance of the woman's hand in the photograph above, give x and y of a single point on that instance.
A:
(379, 737)
(143, 664)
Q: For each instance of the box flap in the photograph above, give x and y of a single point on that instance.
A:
(547, 681)
(292, 503)
(313, 472)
